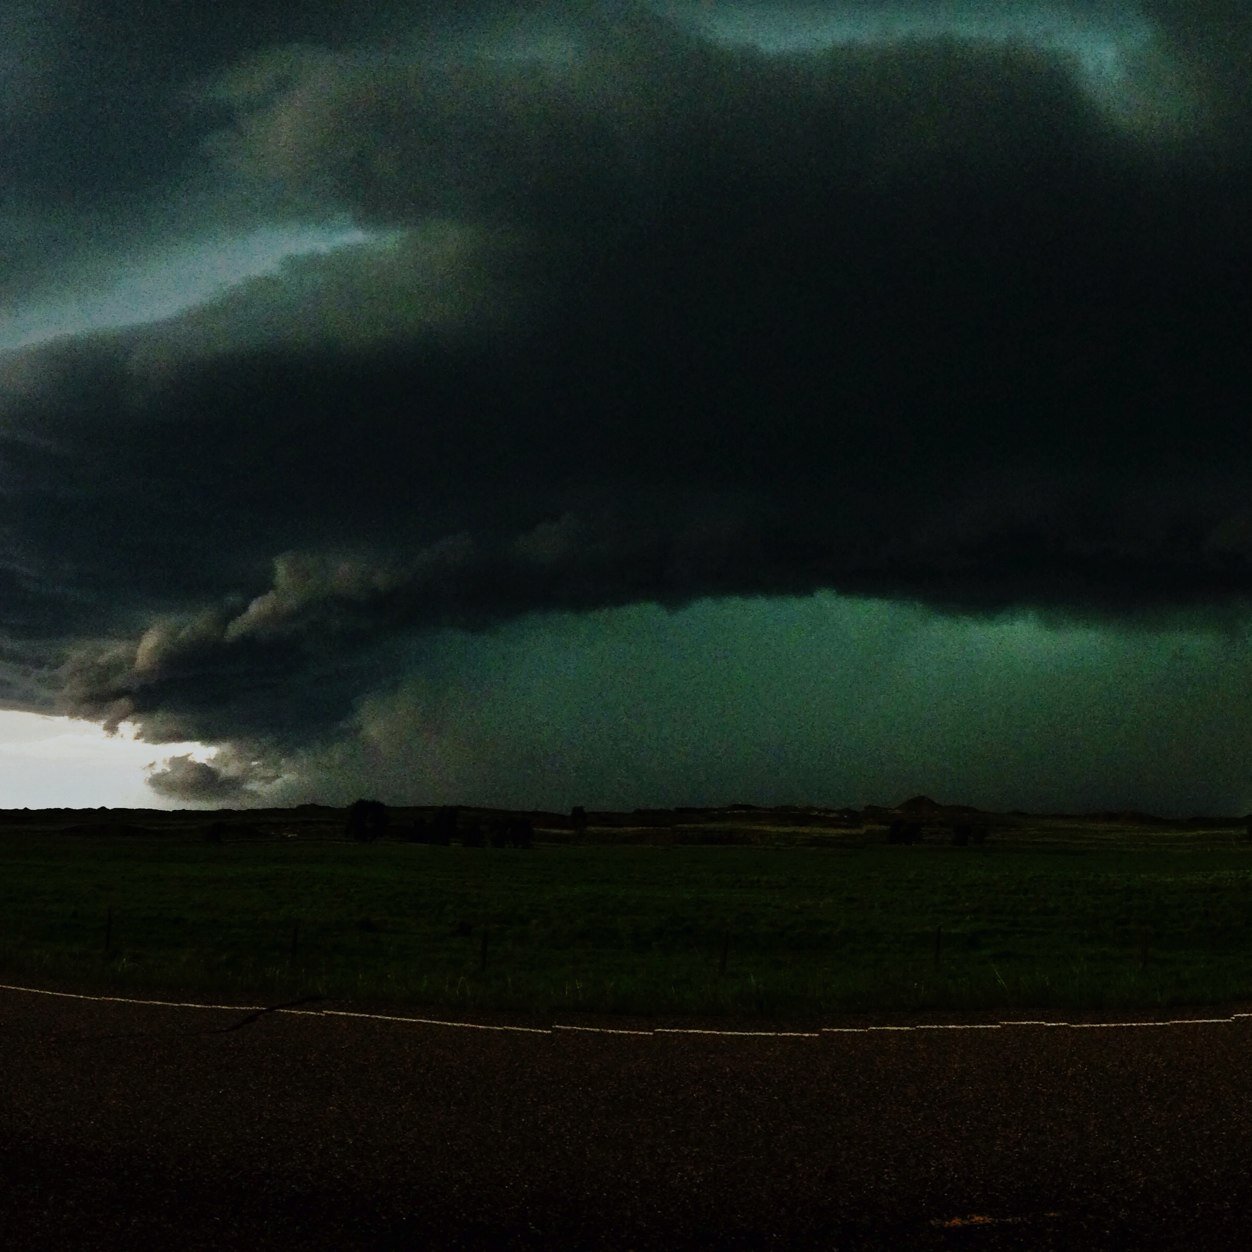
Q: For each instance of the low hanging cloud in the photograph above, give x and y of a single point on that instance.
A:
(646, 318)
(231, 778)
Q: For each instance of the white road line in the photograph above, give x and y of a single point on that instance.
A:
(603, 1030)
(1176, 1021)
(617, 1030)
(958, 1026)
(421, 1021)
(862, 1030)
(753, 1034)
(169, 1004)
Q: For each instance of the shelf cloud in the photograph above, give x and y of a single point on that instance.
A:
(627, 314)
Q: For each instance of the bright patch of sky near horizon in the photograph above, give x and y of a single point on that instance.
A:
(58, 762)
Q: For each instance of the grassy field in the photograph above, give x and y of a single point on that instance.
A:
(1055, 916)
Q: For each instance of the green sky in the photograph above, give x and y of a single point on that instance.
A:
(817, 699)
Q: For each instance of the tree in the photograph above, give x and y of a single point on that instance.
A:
(367, 820)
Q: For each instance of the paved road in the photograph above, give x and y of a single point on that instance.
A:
(128, 1126)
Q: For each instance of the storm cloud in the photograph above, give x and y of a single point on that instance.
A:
(226, 781)
(637, 316)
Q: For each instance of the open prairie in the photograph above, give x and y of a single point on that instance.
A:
(745, 912)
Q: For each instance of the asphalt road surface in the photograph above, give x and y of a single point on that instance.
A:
(125, 1125)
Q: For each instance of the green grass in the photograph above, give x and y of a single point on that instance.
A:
(1042, 919)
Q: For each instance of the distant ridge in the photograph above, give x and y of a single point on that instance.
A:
(920, 804)
(920, 808)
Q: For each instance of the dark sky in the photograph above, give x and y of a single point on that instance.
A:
(614, 404)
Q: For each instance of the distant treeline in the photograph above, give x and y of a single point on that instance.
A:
(370, 819)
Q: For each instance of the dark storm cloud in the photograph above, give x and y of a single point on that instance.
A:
(650, 319)
(1205, 53)
(103, 126)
